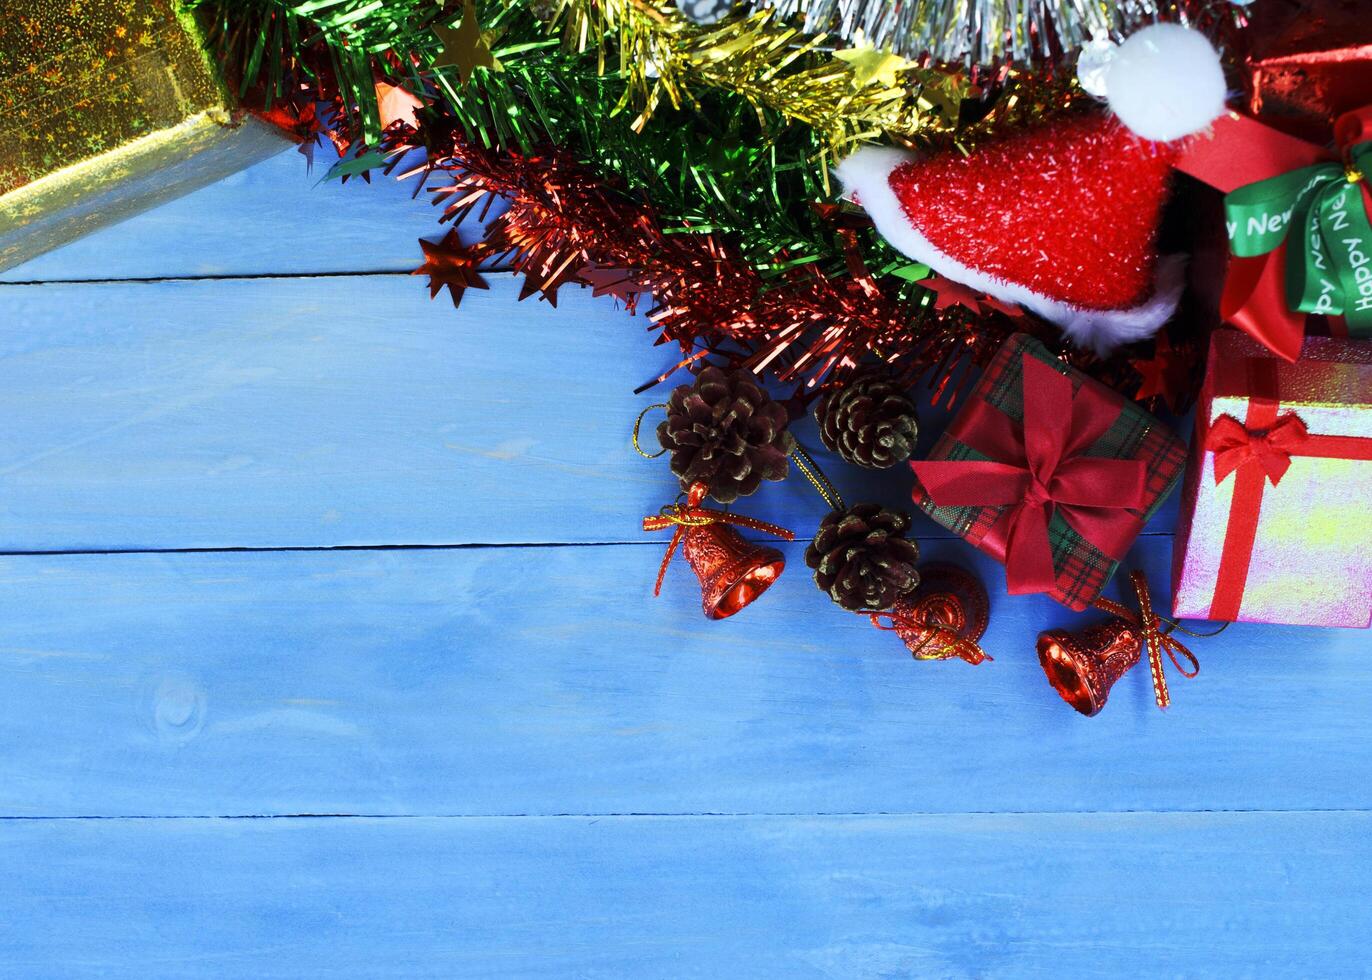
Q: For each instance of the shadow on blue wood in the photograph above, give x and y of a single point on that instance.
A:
(333, 411)
(271, 219)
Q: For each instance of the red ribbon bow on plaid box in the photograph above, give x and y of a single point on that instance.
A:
(1039, 468)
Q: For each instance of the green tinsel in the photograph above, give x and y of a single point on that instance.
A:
(722, 164)
(572, 73)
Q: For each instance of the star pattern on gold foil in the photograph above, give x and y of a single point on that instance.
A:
(870, 65)
(447, 262)
(466, 47)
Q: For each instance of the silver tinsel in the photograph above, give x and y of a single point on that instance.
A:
(972, 32)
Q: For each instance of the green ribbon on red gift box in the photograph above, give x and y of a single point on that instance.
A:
(1274, 183)
(1322, 208)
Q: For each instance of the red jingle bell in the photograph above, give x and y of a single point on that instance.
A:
(943, 617)
(732, 571)
(1082, 667)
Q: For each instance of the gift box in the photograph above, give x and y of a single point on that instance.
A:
(1298, 219)
(1274, 525)
(1049, 472)
(107, 107)
(1309, 61)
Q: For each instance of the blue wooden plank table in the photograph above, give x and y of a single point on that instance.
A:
(327, 648)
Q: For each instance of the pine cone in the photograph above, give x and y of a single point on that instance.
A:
(861, 557)
(870, 421)
(725, 431)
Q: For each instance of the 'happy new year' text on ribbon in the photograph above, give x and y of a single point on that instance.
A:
(1324, 265)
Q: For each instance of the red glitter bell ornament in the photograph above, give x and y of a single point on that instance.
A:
(1061, 217)
(732, 571)
(1082, 667)
(943, 618)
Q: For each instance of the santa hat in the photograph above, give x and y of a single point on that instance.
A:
(1061, 218)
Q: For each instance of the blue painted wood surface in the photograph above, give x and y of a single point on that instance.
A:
(534, 768)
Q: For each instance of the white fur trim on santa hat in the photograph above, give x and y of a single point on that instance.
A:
(866, 176)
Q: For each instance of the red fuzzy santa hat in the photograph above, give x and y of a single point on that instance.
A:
(1061, 218)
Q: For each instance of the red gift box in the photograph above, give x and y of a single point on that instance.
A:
(1309, 62)
(1049, 472)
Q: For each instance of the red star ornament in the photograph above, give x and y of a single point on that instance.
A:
(397, 104)
(949, 293)
(1167, 374)
(448, 263)
(619, 283)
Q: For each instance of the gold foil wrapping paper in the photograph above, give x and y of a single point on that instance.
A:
(107, 107)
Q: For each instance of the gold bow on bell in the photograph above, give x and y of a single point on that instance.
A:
(1155, 637)
(691, 514)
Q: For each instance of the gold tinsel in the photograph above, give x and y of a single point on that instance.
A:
(844, 96)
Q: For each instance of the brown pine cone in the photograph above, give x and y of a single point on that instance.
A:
(861, 557)
(725, 431)
(870, 421)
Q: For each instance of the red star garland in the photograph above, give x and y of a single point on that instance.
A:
(1166, 375)
(450, 263)
(619, 283)
(562, 222)
(302, 122)
(949, 293)
(397, 104)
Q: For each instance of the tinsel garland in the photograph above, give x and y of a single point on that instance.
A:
(736, 134)
(842, 97)
(564, 226)
(717, 156)
(974, 32)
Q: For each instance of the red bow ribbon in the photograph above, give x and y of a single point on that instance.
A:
(1155, 638)
(691, 514)
(938, 641)
(1038, 469)
(1235, 446)
(1270, 440)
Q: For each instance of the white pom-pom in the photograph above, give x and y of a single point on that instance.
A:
(1165, 82)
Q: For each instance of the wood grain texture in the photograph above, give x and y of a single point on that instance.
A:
(272, 219)
(825, 806)
(341, 411)
(547, 680)
(1005, 895)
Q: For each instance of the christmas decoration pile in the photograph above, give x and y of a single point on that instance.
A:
(1039, 216)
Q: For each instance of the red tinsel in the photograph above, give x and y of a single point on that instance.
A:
(564, 225)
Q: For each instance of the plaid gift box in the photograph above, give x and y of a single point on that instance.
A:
(1091, 424)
